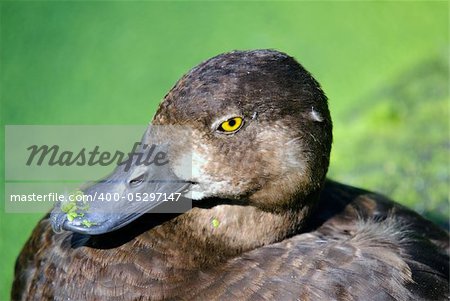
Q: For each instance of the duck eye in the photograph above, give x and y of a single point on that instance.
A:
(231, 125)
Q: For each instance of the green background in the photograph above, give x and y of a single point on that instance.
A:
(383, 65)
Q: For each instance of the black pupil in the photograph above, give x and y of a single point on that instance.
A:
(232, 122)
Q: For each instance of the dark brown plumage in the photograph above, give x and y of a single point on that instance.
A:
(285, 232)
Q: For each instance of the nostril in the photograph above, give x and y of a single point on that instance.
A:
(137, 181)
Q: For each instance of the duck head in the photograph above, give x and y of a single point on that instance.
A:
(260, 135)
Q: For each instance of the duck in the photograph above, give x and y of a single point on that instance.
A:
(248, 136)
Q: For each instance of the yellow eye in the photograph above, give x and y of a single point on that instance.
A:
(231, 125)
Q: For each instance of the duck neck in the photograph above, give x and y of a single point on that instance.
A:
(204, 237)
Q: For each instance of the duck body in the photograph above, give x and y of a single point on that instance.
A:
(266, 224)
(360, 246)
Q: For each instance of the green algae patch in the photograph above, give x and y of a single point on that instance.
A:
(76, 207)
(87, 223)
(68, 207)
(215, 223)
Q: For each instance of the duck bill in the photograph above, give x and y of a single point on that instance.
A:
(145, 183)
